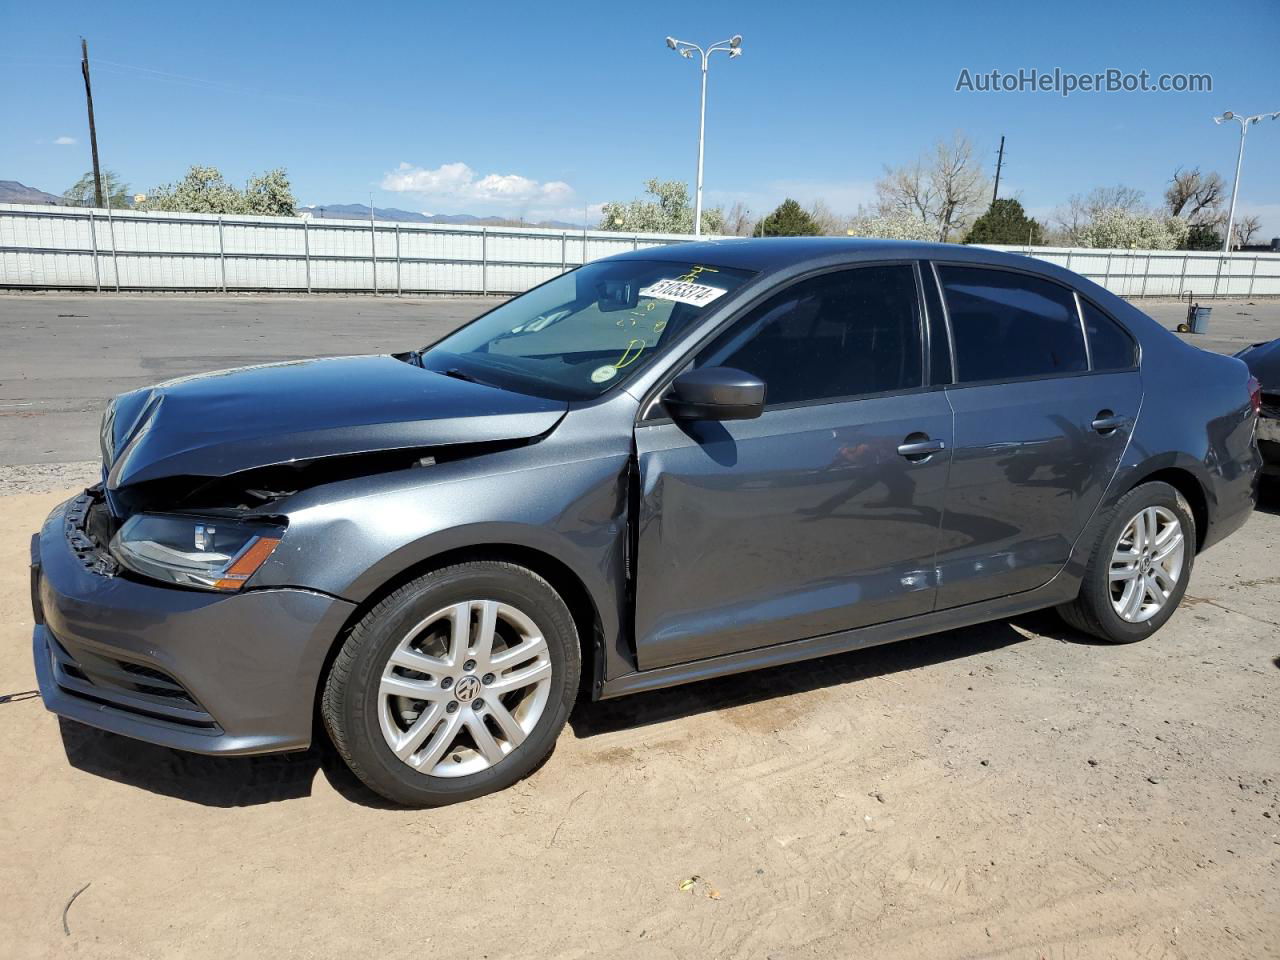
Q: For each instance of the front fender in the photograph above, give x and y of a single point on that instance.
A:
(349, 539)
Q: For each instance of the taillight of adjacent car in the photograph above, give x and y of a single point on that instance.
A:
(1255, 395)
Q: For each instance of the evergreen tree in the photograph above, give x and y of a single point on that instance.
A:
(789, 220)
(1005, 222)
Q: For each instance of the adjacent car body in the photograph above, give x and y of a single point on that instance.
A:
(943, 458)
(1263, 361)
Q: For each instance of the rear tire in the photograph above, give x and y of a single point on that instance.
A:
(1139, 567)
(455, 685)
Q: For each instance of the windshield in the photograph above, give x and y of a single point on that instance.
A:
(585, 331)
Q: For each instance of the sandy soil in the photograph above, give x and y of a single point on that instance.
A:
(1001, 791)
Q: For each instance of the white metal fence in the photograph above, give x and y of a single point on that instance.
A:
(46, 247)
(1168, 273)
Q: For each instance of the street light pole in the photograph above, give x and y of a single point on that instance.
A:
(733, 47)
(1235, 186)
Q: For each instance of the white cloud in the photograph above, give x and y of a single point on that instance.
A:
(458, 183)
(65, 141)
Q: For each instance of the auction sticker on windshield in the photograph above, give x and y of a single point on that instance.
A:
(682, 291)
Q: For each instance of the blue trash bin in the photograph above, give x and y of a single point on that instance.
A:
(1200, 319)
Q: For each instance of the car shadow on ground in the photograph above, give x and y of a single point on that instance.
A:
(250, 781)
(213, 781)
(210, 781)
(592, 719)
(1269, 497)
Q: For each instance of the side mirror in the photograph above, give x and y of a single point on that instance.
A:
(715, 393)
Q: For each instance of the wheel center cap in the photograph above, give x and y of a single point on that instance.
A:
(467, 688)
(1146, 564)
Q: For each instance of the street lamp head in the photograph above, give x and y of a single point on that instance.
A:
(687, 53)
(735, 41)
(1228, 115)
(671, 42)
(735, 52)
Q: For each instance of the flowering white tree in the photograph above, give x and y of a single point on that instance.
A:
(204, 190)
(1118, 229)
(894, 226)
(668, 212)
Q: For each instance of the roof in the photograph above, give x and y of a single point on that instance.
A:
(767, 254)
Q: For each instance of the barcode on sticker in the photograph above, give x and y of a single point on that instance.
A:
(682, 291)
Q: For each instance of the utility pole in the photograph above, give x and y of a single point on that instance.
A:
(999, 163)
(93, 131)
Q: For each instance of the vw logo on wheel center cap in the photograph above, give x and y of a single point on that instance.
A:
(467, 688)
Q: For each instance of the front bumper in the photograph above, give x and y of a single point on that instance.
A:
(206, 672)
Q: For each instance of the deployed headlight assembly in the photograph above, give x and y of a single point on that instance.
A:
(209, 553)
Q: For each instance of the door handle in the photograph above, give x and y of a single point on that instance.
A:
(918, 450)
(1107, 422)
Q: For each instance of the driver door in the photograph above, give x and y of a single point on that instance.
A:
(816, 517)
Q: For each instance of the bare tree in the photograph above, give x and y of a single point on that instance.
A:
(738, 221)
(1119, 197)
(1079, 212)
(906, 190)
(1196, 197)
(961, 184)
(1070, 221)
(1244, 230)
(830, 223)
(946, 188)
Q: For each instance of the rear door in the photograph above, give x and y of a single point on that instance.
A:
(816, 517)
(1040, 426)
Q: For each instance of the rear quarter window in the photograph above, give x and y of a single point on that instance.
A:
(1110, 344)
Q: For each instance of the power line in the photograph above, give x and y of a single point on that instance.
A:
(163, 76)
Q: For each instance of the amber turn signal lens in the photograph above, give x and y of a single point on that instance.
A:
(247, 564)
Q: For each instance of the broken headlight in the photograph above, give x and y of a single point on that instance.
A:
(208, 553)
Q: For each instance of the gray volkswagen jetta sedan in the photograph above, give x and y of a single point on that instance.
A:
(673, 464)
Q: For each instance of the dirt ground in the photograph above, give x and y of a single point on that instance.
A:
(1002, 791)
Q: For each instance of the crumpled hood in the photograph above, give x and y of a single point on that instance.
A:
(1263, 361)
(215, 424)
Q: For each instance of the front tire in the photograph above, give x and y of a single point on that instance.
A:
(1139, 568)
(455, 685)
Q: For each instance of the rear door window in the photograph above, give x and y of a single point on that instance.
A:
(1007, 326)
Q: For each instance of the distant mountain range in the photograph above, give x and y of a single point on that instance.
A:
(11, 191)
(360, 211)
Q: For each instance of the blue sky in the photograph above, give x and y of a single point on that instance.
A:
(512, 109)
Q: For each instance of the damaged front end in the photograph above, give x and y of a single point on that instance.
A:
(194, 469)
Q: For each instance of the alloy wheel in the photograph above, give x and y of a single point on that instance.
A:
(464, 688)
(1146, 564)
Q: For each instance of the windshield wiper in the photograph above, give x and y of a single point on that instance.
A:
(461, 375)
